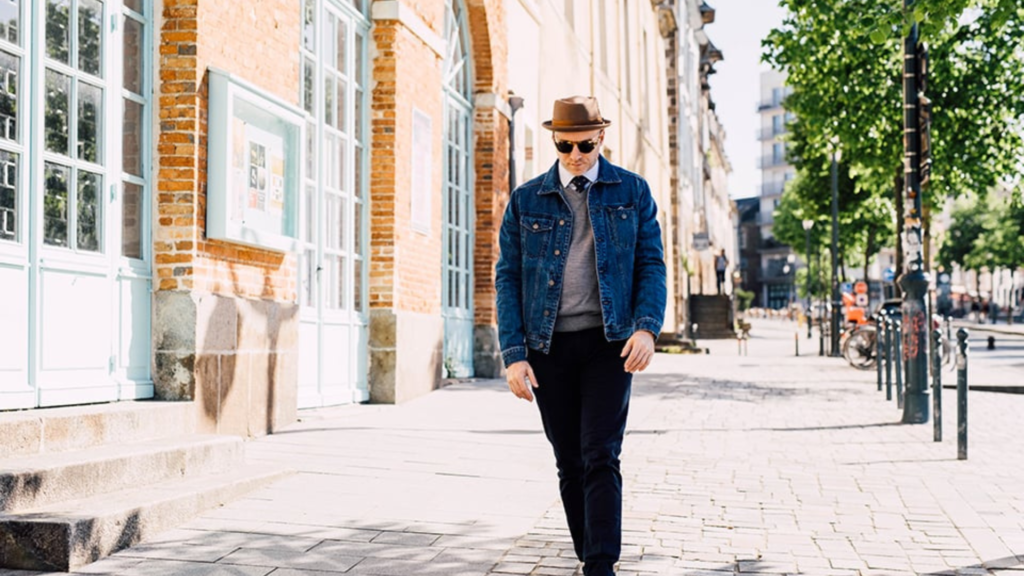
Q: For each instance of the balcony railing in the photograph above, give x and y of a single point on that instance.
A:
(771, 161)
(768, 105)
(770, 133)
(772, 188)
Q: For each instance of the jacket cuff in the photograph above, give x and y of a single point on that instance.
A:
(513, 355)
(650, 324)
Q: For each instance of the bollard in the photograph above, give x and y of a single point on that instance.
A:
(878, 350)
(949, 329)
(937, 383)
(961, 394)
(888, 358)
(897, 339)
(796, 343)
(991, 342)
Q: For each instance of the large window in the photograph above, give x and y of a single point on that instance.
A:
(66, 85)
(334, 209)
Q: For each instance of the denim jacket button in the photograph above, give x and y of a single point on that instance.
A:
(561, 222)
(557, 252)
(551, 282)
(535, 226)
(547, 313)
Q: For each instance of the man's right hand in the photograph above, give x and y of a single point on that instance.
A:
(520, 379)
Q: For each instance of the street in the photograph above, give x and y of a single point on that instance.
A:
(760, 464)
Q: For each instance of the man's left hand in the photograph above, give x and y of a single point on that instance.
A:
(638, 351)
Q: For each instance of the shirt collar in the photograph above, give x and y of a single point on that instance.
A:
(565, 176)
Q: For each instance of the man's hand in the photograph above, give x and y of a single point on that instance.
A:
(520, 379)
(639, 349)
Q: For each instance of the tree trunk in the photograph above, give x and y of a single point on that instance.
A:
(867, 259)
(897, 292)
(926, 236)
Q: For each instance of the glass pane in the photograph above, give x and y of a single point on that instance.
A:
(133, 56)
(90, 34)
(58, 30)
(131, 221)
(329, 52)
(329, 101)
(330, 208)
(358, 116)
(58, 104)
(90, 112)
(341, 45)
(10, 21)
(358, 168)
(89, 221)
(310, 222)
(309, 25)
(337, 232)
(137, 5)
(308, 276)
(308, 78)
(55, 205)
(342, 164)
(8, 195)
(9, 65)
(342, 293)
(357, 229)
(360, 40)
(341, 116)
(131, 138)
(311, 151)
(357, 286)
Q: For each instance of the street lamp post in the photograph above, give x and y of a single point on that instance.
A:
(808, 224)
(914, 280)
(837, 302)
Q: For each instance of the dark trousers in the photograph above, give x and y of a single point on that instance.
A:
(583, 399)
(720, 279)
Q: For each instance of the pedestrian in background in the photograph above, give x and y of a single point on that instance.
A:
(721, 265)
(581, 298)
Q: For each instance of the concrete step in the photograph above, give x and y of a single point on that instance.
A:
(33, 481)
(71, 534)
(76, 427)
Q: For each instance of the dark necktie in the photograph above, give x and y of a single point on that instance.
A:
(579, 184)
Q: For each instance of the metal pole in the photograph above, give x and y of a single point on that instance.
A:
(879, 327)
(808, 282)
(888, 357)
(961, 394)
(821, 313)
(898, 354)
(837, 302)
(937, 384)
(914, 280)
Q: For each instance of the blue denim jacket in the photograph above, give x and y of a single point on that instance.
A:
(627, 247)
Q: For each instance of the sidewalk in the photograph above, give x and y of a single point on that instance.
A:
(763, 464)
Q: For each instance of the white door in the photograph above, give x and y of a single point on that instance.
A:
(334, 322)
(74, 282)
(457, 264)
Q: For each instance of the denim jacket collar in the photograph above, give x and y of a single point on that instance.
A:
(606, 174)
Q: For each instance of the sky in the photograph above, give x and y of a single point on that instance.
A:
(737, 31)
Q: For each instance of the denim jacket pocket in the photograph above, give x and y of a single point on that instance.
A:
(622, 222)
(536, 234)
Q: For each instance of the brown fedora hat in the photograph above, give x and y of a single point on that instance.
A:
(576, 114)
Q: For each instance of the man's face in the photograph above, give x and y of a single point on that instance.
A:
(576, 162)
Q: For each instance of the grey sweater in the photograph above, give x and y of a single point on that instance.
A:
(580, 305)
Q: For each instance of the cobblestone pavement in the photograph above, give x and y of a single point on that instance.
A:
(763, 464)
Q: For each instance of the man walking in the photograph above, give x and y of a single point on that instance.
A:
(581, 298)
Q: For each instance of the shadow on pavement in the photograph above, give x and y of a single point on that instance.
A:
(1008, 562)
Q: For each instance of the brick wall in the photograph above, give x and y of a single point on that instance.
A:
(248, 40)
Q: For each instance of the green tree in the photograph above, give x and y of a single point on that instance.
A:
(847, 90)
(968, 223)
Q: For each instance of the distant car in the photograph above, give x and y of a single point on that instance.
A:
(893, 307)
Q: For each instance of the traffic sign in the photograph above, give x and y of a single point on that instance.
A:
(889, 274)
(847, 287)
(861, 300)
(860, 288)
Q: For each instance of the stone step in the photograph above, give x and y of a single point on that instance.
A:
(76, 427)
(32, 481)
(71, 534)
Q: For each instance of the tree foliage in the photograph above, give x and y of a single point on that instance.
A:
(844, 61)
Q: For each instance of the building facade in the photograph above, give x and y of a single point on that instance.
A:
(778, 262)
(371, 138)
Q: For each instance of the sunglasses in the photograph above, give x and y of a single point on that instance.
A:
(586, 146)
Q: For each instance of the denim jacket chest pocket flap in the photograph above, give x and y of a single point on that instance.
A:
(622, 223)
(536, 234)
